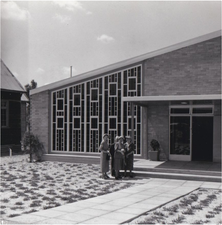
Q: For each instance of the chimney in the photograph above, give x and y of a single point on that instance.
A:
(70, 71)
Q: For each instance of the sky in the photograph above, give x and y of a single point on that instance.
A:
(40, 40)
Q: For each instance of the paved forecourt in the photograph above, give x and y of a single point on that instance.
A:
(117, 207)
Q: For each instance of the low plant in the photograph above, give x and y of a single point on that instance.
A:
(19, 203)
(197, 207)
(5, 200)
(188, 211)
(210, 216)
(13, 215)
(179, 219)
(30, 211)
(16, 207)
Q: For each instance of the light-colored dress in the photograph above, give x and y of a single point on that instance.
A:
(104, 163)
(118, 158)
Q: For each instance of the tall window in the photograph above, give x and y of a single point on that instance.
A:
(4, 113)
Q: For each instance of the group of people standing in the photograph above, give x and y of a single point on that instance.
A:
(120, 153)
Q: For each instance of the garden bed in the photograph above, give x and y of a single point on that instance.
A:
(202, 206)
(30, 187)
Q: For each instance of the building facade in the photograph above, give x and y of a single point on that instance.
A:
(172, 95)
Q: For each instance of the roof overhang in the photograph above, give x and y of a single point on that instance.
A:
(144, 100)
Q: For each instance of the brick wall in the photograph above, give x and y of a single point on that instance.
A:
(191, 70)
(40, 117)
(158, 126)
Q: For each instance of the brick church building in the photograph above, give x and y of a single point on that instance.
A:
(172, 95)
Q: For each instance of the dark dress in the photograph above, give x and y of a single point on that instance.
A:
(129, 160)
(104, 163)
(112, 151)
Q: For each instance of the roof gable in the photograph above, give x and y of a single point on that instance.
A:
(9, 81)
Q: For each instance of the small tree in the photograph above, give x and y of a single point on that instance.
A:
(29, 87)
(32, 145)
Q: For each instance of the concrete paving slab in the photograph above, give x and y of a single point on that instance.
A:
(49, 213)
(115, 195)
(144, 206)
(54, 221)
(210, 185)
(76, 217)
(68, 208)
(132, 210)
(153, 201)
(192, 183)
(107, 207)
(98, 200)
(118, 216)
(93, 212)
(99, 220)
(27, 219)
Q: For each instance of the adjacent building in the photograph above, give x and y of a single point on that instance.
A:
(13, 111)
(172, 95)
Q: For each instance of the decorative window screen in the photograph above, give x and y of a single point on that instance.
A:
(93, 108)
(59, 120)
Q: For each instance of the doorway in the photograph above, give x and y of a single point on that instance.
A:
(202, 138)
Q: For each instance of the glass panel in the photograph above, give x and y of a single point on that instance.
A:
(76, 100)
(132, 84)
(180, 135)
(202, 102)
(94, 123)
(180, 103)
(76, 123)
(180, 111)
(94, 96)
(112, 123)
(203, 110)
(60, 122)
(112, 89)
(60, 104)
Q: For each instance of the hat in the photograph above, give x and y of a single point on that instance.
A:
(106, 135)
(128, 137)
(120, 137)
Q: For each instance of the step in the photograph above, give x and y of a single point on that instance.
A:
(179, 171)
(178, 176)
(71, 158)
(140, 171)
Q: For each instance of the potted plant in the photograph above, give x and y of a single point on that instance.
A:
(31, 145)
(154, 153)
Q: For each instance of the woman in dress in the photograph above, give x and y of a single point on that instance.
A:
(129, 155)
(104, 162)
(119, 156)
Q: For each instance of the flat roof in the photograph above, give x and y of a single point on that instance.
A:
(141, 100)
(125, 63)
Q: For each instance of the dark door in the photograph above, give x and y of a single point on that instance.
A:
(202, 139)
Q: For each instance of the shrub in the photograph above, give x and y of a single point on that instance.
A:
(155, 145)
(31, 145)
